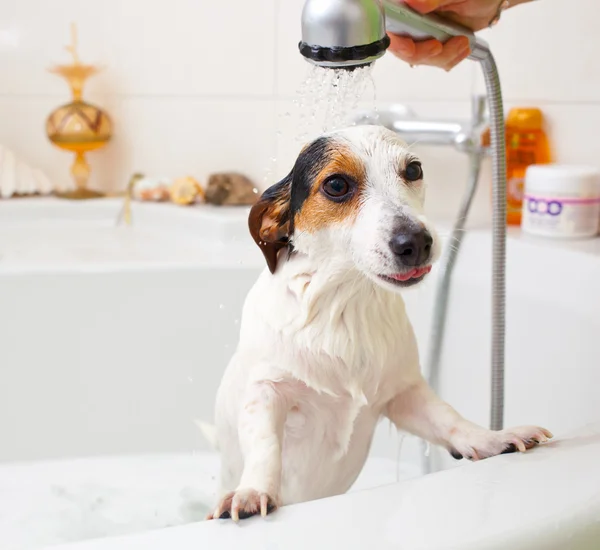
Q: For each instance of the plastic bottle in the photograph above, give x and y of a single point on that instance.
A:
(526, 144)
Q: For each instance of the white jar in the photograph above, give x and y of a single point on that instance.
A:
(561, 201)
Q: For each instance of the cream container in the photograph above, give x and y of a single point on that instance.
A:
(561, 201)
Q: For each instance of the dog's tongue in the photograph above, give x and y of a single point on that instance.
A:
(412, 274)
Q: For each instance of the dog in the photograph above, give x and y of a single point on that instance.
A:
(326, 349)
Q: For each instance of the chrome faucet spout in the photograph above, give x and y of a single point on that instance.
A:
(464, 135)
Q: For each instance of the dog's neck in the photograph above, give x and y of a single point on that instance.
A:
(326, 324)
(343, 312)
(324, 283)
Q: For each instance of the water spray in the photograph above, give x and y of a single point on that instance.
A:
(346, 34)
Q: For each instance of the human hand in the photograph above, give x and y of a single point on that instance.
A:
(473, 14)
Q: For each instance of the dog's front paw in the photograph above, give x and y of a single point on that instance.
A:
(480, 444)
(242, 504)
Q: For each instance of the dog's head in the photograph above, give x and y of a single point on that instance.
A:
(355, 199)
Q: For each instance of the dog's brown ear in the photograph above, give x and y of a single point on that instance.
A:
(269, 221)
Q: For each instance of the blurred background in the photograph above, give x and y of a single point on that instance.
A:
(195, 86)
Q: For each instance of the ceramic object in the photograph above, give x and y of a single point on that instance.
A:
(78, 126)
(18, 179)
(231, 188)
(186, 191)
(144, 188)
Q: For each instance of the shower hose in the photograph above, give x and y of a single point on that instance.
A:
(498, 147)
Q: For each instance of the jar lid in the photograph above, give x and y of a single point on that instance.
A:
(562, 178)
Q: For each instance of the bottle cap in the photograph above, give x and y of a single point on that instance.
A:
(525, 119)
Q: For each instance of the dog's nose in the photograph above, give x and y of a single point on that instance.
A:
(412, 246)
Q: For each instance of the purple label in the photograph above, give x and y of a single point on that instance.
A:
(542, 206)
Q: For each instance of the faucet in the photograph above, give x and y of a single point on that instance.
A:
(465, 136)
(345, 34)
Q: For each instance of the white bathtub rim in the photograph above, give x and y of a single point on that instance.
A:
(204, 237)
(394, 517)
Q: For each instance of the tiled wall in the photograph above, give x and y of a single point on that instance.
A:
(196, 86)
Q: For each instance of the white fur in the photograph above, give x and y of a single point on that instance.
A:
(326, 350)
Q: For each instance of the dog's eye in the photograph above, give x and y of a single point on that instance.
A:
(413, 171)
(336, 187)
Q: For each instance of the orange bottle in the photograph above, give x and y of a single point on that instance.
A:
(526, 143)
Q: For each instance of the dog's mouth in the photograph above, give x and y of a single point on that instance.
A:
(407, 278)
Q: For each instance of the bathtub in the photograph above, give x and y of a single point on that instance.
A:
(113, 340)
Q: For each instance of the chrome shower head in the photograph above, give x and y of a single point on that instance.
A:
(343, 33)
(351, 33)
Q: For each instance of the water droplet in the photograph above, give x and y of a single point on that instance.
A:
(255, 190)
(221, 306)
(400, 441)
(427, 449)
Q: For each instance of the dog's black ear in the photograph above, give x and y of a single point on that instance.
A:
(269, 221)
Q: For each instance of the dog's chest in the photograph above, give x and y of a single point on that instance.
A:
(350, 339)
(326, 441)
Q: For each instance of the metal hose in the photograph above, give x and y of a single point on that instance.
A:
(446, 268)
(442, 292)
(448, 261)
(498, 146)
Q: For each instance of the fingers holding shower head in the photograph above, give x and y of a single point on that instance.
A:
(343, 33)
(351, 33)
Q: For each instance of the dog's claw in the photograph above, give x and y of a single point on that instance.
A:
(264, 505)
(235, 508)
(520, 445)
(243, 504)
(480, 444)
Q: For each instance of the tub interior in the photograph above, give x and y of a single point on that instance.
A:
(115, 338)
(62, 501)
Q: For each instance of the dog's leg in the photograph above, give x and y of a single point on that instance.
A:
(418, 410)
(260, 430)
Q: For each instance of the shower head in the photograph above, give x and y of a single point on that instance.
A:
(343, 33)
(351, 33)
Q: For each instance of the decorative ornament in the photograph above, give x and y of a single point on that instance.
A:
(79, 126)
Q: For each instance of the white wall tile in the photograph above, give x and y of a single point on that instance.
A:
(180, 47)
(549, 51)
(573, 131)
(290, 68)
(159, 136)
(193, 86)
(195, 136)
(395, 79)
